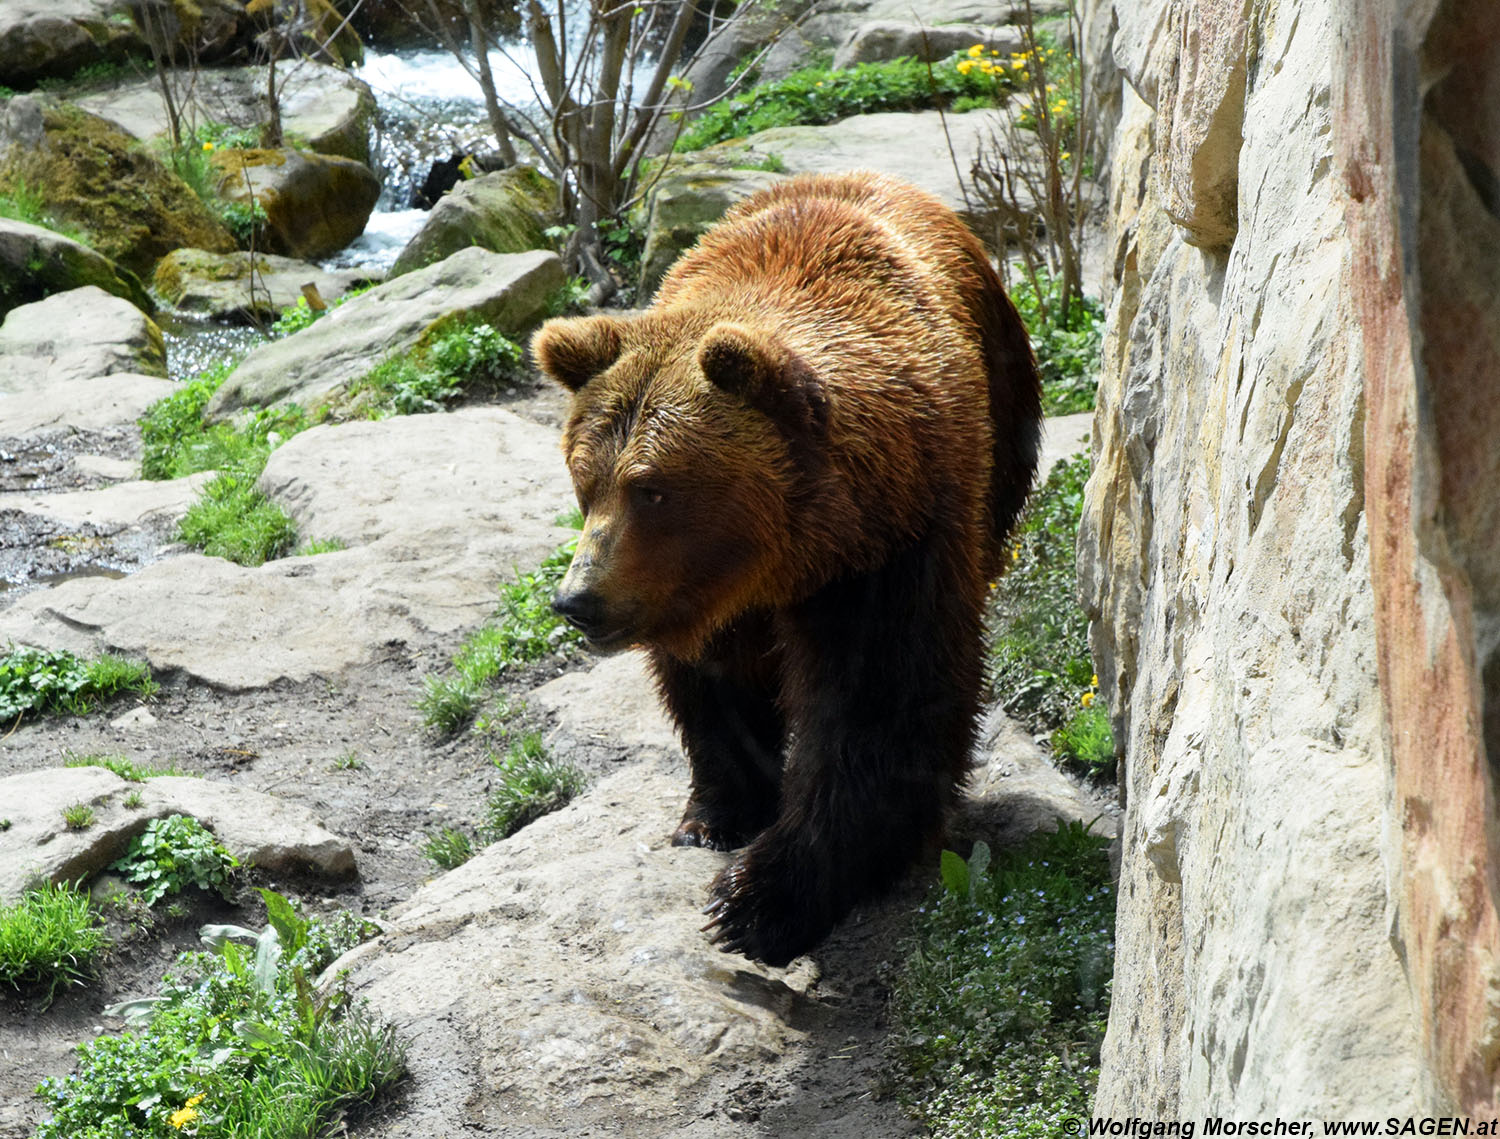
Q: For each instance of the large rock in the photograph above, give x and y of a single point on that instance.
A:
(99, 180)
(427, 544)
(36, 262)
(324, 108)
(77, 335)
(53, 39)
(261, 830)
(313, 366)
(1289, 551)
(245, 287)
(504, 212)
(315, 204)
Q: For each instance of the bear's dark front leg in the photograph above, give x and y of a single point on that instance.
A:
(881, 687)
(725, 706)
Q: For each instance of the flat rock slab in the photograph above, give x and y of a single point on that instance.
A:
(428, 543)
(77, 335)
(311, 366)
(257, 828)
(82, 405)
(913, 146)
(558, 981)
(558, 984)
(118, 507)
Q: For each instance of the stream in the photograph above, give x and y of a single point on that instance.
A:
(428, 108)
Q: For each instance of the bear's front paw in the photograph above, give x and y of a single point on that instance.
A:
(758, 911)
(717, 827)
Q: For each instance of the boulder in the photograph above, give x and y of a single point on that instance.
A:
(314, 366)
(36, 262)
(427, 544)
(504, 212)
(98, 179)
(245, 287)
(54, 39)
(41, 39)
(690, 197)
(259, 829)
(77, 335)
(323, 108)
(881, 40)
(315, 204)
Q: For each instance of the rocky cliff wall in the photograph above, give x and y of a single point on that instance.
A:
(1291, 554)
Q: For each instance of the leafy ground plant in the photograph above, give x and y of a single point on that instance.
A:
(44, 682)
(50, 939)
(176, 852)
(817, 95)
(1066, 340)
(532, 784)
(465, 356)
(1040, 668)
(239, 1043)
(524, 630)
(1001, 1004)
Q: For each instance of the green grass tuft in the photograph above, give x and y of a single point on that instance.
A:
(234, 520)
(1001, 1005)
(50, 939)
(448, 848)
(524, 630)
(532, 784)
(126, 768)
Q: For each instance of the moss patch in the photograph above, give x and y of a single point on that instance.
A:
(98, 179)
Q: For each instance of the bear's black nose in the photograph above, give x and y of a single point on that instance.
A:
(581, 609)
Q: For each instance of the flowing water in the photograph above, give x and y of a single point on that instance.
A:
(429, 107)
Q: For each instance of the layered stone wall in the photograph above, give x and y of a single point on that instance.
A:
(1291, 553)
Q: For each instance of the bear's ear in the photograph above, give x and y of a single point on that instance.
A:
(574, 351)
(759, 369)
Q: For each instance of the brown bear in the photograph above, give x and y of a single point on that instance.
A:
(797, 470)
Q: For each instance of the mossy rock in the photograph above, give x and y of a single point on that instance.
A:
(36, 262)
(97, 179)
(242, 287)
(315, 204)
(504, 212)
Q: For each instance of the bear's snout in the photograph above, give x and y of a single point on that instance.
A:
(584, 610)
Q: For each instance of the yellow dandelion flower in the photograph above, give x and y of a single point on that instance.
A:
(1026, 75)
(1094, 683)
(1088, 699)
(1067, 154)
(208, 146)
(976, 51)
(187, 1113)
(965, 66)
(1052, 87)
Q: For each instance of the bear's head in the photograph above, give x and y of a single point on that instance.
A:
(687, 440)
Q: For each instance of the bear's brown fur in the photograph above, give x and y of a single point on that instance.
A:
(798, 469)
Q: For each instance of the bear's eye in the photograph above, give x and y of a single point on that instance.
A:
(648, 495)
